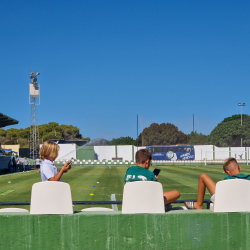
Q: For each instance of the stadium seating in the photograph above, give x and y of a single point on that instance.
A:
(143, 197)
(232, 196)
(13, 210)
(51, 197)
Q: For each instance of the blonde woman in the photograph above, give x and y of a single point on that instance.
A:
(49, 171)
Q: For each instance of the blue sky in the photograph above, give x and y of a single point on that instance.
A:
(103, 62)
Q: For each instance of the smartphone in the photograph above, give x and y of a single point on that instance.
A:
(156, 171)
(70, 162)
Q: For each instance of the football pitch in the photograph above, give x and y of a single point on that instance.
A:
(104, 183)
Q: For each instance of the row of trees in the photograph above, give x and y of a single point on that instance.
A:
(48, 131)
(229, 132)
(162, 134)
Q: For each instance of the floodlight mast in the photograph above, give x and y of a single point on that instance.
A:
(34, 101)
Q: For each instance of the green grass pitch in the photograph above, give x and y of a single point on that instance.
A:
(111, 181)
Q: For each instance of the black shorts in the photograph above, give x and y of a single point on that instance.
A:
(37, 166)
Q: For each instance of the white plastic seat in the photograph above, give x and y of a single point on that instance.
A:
(51, 197)
(97, 209)
(232, 196)
(143, 197)
(13, 209)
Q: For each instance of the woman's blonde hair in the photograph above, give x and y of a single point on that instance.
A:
(49, 149)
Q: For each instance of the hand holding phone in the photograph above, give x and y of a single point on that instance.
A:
(70, 163)
(156, 171)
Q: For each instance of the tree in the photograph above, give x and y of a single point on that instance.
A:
(52, 130)
(139, 141)
(70, 132)
(195, 138)
(12, 133)
(2, 132)
(123, 141)
(163, 134)
(229, 132)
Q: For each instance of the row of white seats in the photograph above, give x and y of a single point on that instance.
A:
(53, 197)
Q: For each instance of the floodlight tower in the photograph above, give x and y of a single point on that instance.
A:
(34, 100)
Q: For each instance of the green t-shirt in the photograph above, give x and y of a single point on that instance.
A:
(139, 174)
(237, 176)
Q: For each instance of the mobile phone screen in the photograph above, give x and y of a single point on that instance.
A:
(156, 171)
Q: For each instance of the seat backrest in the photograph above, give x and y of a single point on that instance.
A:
(232, 196)
(143, 197)
(13, 210)
(51, 197)
(90, 209)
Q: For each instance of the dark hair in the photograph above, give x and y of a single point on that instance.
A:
(142, 155)
(228, 161)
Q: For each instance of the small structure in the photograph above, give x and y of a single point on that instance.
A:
(4, 159)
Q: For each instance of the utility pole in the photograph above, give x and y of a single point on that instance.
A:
(243, 104)
(137, 132)
(193, 130)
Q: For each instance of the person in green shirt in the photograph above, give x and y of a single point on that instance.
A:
(231, 167)
(141, 172)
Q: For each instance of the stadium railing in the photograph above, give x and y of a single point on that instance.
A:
(22, 203)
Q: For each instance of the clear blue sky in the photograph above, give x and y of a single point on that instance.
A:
(103, 62)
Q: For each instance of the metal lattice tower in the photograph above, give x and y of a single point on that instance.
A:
(34, 101)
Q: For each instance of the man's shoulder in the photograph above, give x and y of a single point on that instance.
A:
(138, 168)
(237, 176)
(134, 168)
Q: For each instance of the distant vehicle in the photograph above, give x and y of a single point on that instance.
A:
(172, 153)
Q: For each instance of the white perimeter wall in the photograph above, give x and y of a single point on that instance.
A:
(125, 152)
(108, 152)
(203, 151)
(239, 151)
(67, 151)
(104, 152)
(221, 153)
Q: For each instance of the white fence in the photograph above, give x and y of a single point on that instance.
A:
(127, 152)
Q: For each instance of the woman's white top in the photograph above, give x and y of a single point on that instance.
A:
(48, 170)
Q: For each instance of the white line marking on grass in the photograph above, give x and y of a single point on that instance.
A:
(114, 206)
